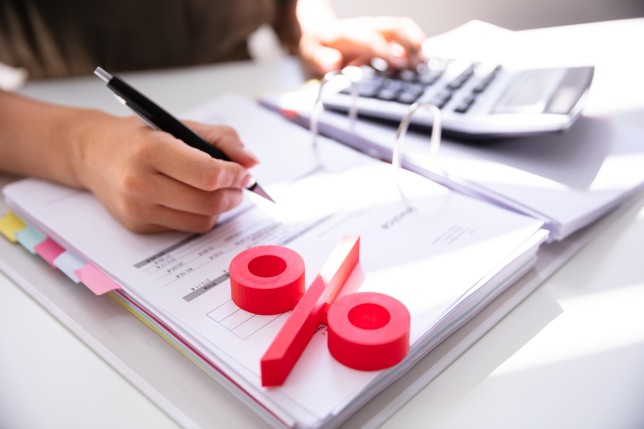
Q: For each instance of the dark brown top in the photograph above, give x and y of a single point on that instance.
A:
(57, 38)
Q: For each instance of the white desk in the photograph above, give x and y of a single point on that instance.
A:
(570, 355)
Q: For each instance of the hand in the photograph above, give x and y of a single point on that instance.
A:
(152, 182)
(337, 43)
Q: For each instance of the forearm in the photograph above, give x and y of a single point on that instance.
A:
(38, 139)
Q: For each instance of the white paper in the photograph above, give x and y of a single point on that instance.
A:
(567, 179)
(428, 249)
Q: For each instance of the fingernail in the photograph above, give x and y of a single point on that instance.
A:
(397, 50)
(398, 55)
(330, 60)
(246, 180)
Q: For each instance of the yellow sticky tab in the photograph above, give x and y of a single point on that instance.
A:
(10, 224)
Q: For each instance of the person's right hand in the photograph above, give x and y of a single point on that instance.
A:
(151, 181)
(355, 41)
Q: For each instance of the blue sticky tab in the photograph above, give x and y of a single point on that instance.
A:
(67, 262)
(29, 238)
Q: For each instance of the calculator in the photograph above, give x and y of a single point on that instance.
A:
(477, 100)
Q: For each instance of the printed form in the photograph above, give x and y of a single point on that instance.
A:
(420, 243)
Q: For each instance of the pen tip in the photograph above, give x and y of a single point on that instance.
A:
(261, 192)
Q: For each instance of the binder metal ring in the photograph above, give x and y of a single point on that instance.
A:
(435, 141)
(317, 106)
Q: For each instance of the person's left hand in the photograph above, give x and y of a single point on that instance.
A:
(355, 41)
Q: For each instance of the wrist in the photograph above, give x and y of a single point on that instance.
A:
(81, 137)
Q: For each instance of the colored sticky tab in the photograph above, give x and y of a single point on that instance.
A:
(29, 237)
(68, 263)
(49, 250)
(10, 224)
(290, 114)
(95, 280)
(291, 340)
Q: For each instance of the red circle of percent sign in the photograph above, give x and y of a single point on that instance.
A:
(368, 330)
(267, 279)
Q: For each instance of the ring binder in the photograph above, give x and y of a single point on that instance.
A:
(434, 145)
(317, 106)
(435, 140)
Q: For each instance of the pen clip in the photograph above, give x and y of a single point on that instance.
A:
(141, 116)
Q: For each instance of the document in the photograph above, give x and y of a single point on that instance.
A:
(568, 180)
(443, 254)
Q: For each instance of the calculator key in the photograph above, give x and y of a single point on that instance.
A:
(465, 104)
(393, 84)
(408, 75)
(460, 80)
(364, 90)
(485, 82)
(430, 77)
(387, 94)
(408, 97)
(441, 98)
(413, 87)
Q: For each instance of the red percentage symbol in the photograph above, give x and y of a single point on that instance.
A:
(367, 331)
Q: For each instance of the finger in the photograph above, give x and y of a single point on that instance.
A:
(352, 38)
(401, 30)
(149, 218)
(365, 43)
(362, 44)
(193, 167)
(165, 191)
(227, 140)
(167, 219)
(320, 59)
(402, 33)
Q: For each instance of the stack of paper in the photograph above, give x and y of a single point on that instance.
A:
(443, 254)
(568, 180)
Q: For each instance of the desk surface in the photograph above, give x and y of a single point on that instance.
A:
(570, 355)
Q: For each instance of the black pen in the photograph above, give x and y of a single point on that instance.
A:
(157, 118)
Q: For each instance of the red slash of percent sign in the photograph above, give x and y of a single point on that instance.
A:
(367, 331)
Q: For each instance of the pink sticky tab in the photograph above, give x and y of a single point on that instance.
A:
(95, 280)
(48, 250)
